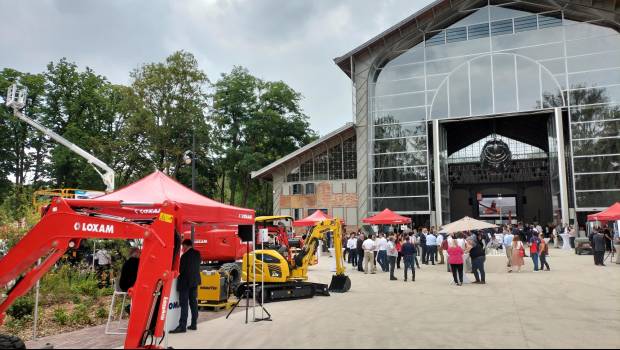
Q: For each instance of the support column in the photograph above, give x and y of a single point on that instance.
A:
(559, 129)
(437, 173)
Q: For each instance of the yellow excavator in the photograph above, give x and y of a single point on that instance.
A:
(284, 280)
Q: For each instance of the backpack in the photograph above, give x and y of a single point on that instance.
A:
(534, 247)
(444, 244)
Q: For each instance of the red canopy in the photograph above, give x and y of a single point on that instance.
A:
(142, 200)
(610, 214)
(313, 219)
(387, 217)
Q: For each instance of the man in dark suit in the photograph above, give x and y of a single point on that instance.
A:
(187, 285)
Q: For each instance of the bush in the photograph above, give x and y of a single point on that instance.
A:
(61, 317)
(86, 286)
(101, 313)
(21, 308)
(80, 315)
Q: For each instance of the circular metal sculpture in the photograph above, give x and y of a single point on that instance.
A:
(495, 155)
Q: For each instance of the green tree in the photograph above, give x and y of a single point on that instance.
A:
(256, 123)
(168, 104)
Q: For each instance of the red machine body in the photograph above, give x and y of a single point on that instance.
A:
(158, 211)
(63, 227)
(221, 245)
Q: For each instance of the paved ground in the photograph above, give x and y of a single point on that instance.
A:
(576, 305)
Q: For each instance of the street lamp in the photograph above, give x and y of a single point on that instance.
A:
(189, 157)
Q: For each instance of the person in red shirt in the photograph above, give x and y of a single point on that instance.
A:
(455, 259)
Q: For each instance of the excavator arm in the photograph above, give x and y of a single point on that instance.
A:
(340, 282)
(62, 227)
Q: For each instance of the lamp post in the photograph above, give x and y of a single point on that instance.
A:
(190, 158)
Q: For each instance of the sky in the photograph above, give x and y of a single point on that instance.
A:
(290, 40)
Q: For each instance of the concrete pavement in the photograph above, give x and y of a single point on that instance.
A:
(576, 305)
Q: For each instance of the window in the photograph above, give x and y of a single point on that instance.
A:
(501, 27)
(456, 34)
(526, 23)
(320, 166)
(298, 189)
(478, 31)
(293, 175)
(311, 211)
(547, 21)
(310, 188)
(306, 171)
(350, 159)
(298, 214)
(436, 39)
(335, 162)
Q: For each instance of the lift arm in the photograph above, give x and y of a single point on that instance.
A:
(62, 228)
(16, 100)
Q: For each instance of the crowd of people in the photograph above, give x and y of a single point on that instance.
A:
(462, 252)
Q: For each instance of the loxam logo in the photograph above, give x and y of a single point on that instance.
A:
(98, 228)
(162, 317)
(147, 211)
(245, 216)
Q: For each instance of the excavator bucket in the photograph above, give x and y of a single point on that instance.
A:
(340, 284)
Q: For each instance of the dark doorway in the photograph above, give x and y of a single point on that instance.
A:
(505, 158)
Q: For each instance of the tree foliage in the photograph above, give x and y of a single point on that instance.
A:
(240, 123)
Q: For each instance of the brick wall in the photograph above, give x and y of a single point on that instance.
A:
(325, 198)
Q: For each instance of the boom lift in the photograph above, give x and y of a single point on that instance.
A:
(286, 280)
(64, 225)
(16, 99)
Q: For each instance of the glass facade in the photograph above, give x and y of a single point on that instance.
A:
(335, 162)
(498, 60)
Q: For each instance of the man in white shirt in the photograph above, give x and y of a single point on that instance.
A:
(431, 247)
(369, 256)
(382, 257)
(352, 246)
(507, 242)
(440, 248)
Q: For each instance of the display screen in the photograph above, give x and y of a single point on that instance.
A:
(493, 207)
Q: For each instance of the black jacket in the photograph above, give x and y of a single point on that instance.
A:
(189, 270)
(129, 273)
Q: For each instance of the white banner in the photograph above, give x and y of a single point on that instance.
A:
(174, 310)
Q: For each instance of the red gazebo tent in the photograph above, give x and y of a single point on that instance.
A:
(313, 219)
(143, 199)
(610, 214)
(387, 217)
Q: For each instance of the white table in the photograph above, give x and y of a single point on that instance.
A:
(566, 241)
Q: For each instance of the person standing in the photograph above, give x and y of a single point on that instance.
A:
(129, 271)
(352, 245)
(572, 236)
(392, 254)
(455, 259)
(408, 250)
(507, 243)
(431, 247)
(369, 259)
(422, 243)
(439, 245)
(382, 257)
(104, 262)
(399, 248)
(543, 252)
(360, 252)
(518, 252)
(534, 243)
(477, 255)
(599, 248)
(187, 286)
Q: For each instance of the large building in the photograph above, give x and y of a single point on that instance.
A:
(492, 109)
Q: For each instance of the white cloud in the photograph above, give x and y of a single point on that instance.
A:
(290, 40)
